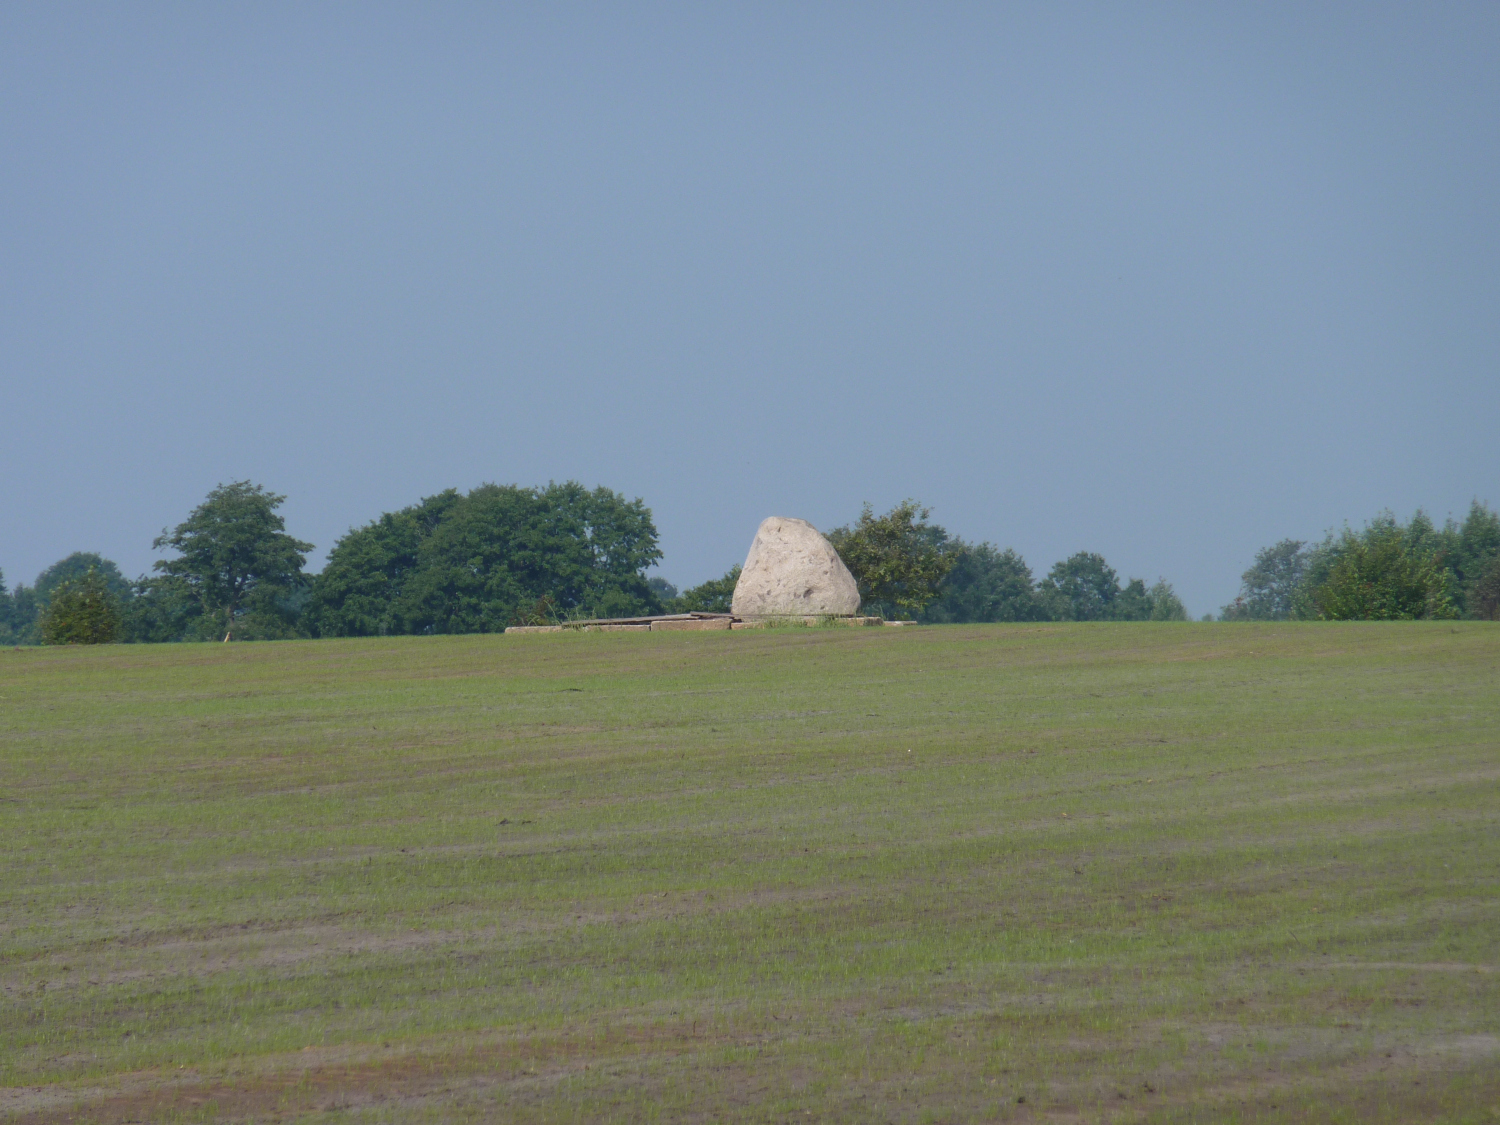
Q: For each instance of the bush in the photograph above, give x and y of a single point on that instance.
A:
(1381, 574)
(897, 559)
(1485, 600)
(713, 596)
(83, 611)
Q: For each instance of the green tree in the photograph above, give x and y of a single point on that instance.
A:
(1165, 604)
(1484, 599)
(1383, 573)
(7, 613)
(897, 559)
(74, 567)
(665, 592)
(164, 609)
(1082, 587)
(82, 611)
(1469, 553)
(713, 596)
(235, 558)
(1268, 590)
(985, 584)
(479, 562)
(24, 610)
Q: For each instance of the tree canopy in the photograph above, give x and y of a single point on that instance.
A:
(713, 596)
(478, 562)
(236, 560)
(1386, 570)
(81, 611)
(897, 559)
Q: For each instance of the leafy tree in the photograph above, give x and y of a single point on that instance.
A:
(236, 559)
(1268, 590)
(1484, 599)
(897, 559)
(713, 596)
(24, 610)
(82, 611)
(165, 609)
(367, 571)
(1081, 588)
(479, 562)
(985, 584)
(1469, 553)
(665, 592)
(1383, 573)
(76, 566)
(1165, 604)
(7, 633)
(1086, 588)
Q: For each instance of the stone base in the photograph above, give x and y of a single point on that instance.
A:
(696, 622)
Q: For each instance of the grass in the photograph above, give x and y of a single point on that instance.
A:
(1125, 872)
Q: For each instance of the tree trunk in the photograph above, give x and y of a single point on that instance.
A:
(228, 623)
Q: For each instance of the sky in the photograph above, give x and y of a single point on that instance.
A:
(1168, 282)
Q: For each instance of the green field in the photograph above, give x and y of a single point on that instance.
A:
(1064, 872)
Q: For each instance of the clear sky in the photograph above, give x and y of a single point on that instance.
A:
(1166, 282)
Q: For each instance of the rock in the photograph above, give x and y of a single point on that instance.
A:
(791, 570)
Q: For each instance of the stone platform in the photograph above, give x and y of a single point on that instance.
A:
(672, 622)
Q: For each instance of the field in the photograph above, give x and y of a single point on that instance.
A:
(1018, 873)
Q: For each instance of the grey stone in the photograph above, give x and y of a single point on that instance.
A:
(792, 570)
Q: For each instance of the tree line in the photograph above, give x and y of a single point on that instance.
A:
(502, 555)
(1386, 571)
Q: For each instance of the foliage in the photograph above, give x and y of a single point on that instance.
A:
(21, 613)
(713, 596)
(1469, 553)
(1268, 590)
(665, 592)
(1383, 573)
(76, 566)
(985, 584)
(1165, 605)
(7, 614)
(897, 559)
(235, 558)
(1082, 587)
(479, 562)
(164, 609)
(81, 611)
(1484, 599)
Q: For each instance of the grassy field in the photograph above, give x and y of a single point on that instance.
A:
(1076, 873)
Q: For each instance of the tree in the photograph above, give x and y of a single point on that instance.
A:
(1469, 553)
(1484, 600)
(21, 615)
(1081, 588)
(897, 559)
(82, 611)
(713, 596)
(237, 560)
(665, 592)
(76, 566)
(164, 609)
(1165, 604)
(7, 606)
(1268, 590)
(365, 579)
(1383, 573)
(985, 584)
(479, 562)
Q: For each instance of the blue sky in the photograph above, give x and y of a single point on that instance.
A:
(1167, 282)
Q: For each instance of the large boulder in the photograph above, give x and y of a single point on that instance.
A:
(791, 570)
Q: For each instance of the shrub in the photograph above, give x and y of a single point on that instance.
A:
(83, 611)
